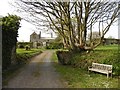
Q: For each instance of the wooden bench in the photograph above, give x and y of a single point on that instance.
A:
(101, 68)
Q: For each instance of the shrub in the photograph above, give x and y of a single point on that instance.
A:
(27, 47)
(10, 26)
(54, 45)
(21, 46)
(64, 57)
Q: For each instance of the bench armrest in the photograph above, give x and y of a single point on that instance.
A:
(89, 67)
(109, 69)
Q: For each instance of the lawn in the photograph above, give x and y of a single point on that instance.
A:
(77, 77)
(24, 55)
(23, 51)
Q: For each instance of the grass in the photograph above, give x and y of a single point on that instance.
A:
(79, 78)
(102, 54)
(54, 57)
(23, 56)
(22, 51)
(107, 47)
(30, 52)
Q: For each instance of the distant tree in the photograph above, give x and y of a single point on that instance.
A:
(57, 43)
(111, 37)
(10, 26)
(93, 37)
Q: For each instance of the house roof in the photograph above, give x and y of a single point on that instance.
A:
(34, 33)
(110, 39)
(47, 38)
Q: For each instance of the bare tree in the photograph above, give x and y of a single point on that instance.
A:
(72, 20)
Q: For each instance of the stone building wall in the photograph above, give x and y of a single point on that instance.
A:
(39, 41)
(108, 41)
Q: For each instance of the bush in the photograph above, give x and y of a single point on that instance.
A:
(10, 26)
(64, 57)
(27, 47)
(21, 46)
(54, 45)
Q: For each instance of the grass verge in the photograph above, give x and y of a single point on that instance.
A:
(79, 78)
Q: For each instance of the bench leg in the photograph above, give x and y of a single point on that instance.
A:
(107, 75)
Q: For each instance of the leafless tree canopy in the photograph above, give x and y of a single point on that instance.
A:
(72, 20)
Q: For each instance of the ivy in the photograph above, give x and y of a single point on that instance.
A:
(10, 26)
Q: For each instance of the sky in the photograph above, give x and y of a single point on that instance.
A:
(27, 29)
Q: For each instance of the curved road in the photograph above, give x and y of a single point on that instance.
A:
(39, 73)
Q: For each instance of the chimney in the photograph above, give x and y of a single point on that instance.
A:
(51, 35)
(40, 35)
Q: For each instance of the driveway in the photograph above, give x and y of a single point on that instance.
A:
(39, 73)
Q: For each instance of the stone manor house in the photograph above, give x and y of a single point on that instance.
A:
(39, 41)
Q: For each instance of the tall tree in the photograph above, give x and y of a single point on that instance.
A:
(72, 20)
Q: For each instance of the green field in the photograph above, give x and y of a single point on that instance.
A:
(78, 77)
(108, 47)
(23, 51)
(24, 55)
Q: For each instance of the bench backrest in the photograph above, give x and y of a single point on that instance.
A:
(101, 66)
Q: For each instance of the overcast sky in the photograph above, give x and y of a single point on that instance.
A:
(27, 28)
